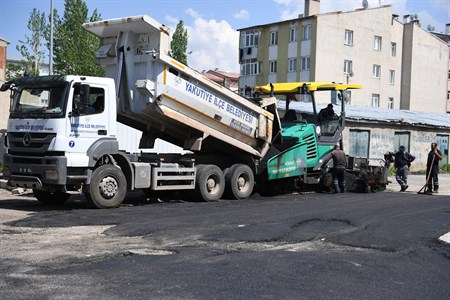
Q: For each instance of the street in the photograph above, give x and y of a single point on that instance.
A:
(304, 246)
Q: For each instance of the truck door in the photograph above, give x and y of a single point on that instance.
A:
(89, 119)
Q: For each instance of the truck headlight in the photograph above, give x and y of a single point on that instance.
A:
(318, 129)
(51, 174)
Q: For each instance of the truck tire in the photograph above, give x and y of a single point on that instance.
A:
(239, 181)
(210, 183)
(50, 198)
(108, 187)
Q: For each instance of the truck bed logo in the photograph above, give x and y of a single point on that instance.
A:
(26, 140)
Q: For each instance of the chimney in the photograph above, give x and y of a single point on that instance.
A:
(312, 7)
(447, 28)
(406, 19)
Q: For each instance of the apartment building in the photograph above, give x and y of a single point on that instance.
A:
(399, 64)
(446, 38)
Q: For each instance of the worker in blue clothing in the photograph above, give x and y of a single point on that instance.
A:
(402, 162)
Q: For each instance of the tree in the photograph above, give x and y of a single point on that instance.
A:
(74, 48)
(37, 26)
(14, 70)
(179, 42)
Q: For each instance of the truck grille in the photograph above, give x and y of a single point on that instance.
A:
(311, 151)
(29, 142)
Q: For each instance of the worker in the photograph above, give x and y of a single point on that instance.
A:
(402, 162)
(434, 156)
(326, 113)
(339, 166)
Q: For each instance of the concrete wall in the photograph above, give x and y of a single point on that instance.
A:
(425, 65)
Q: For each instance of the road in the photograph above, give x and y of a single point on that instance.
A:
(305, 246)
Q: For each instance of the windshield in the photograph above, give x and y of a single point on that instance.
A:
(47, 102)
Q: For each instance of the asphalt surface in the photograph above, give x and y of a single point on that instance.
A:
(417, 182)
(381, 245)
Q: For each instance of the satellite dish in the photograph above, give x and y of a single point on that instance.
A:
(365, 4)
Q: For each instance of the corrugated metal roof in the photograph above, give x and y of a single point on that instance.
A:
(382, 115)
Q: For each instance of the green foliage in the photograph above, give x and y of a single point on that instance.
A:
(179, 43)
(31, 48)
(74, 48)
(392, 171)
(445, 168)
(14, 70)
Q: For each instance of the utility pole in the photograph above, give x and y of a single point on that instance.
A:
(50, 56)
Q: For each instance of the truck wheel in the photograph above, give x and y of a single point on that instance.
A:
(51, 198)
(210, 183)
(240, 181)
(108, 187)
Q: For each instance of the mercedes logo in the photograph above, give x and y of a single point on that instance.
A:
(26, 140)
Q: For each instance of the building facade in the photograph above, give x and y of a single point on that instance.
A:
(373, 132)
(400, 65)
(4, 96)
(446, 38)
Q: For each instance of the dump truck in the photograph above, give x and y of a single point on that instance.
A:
(62, 134)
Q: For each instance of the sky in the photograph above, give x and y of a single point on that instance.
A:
(212, 24)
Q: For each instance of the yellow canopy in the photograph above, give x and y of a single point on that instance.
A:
(293, 87)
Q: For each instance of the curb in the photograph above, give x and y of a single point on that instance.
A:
(445, 238)
(4, 184)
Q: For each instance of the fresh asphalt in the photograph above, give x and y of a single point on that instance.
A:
(305, 246)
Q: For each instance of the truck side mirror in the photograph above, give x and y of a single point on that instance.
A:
(5, 86)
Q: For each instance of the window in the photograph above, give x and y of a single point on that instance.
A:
(376, 71)
(348, 40)
(401, 139)
(250, 67)
(375, 100)
(274, 38)
(348, 97)
(293, 36)
(359, 143)
(348, 66)
(442, 141)
(306, 32)
(272, 66)
(306, 61)
(393, 49)
(292, 65)
(391, 77)
(95, 104)
(390, 103)
(377, 43)
(249, 38)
